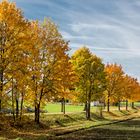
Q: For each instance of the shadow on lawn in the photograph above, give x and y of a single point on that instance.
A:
(125, 112)
(136, 108)
(59, 123)
(69, 117)
(119, 131)
(135, 123)
(97, 117)
(129, 130)
(112, 114)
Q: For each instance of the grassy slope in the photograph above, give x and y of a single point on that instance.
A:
(59, 124)
(126, 130)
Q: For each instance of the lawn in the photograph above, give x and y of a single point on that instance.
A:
(137, 104)
(53, 125)
(126, 130)
(56, 108)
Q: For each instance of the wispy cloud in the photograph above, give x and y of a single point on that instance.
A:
(110, 28)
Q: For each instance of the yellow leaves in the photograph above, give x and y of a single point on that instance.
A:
(120, 86)
(9, 13)
(15, 39)
(114, 74)
(90, 71)
(35, 55)
(131, 88)
(48, 61)
(114, 78)
(114, 69)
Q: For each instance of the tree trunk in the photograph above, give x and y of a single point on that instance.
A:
(64, 110)
(108, 104)
(37, 113)
(62, 105)
(0, 104)
(88, 111)
(126, 104)
(88, 106)
(85, 107)
(37, 108)
(17, 108)
(13, 107)
(1, 88)
(119, 105)
(21, 106)
(133, 105)
(101, 108)
(104, 104)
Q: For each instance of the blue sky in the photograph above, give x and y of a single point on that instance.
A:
(110, 28)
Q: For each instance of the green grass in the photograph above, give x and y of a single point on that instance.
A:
(127, 130)
(56, 108)
(58, 124)
(137, 104)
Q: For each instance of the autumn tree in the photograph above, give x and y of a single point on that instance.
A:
(19, 84)
(135, 93)
(131, 90)
(13, 41)
(66, 81)
(90, 71)
(114, 75)
(49, 52)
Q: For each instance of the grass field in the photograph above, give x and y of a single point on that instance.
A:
(137, 104)
(56, 124)
(127, 130)
(56, 107)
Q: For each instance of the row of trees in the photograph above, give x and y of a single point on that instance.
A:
(35, 68)
(120, 86)
(106, 83)
(34, 62)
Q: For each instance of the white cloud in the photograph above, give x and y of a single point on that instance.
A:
(86, 26)
(69, 36)
(110, 28)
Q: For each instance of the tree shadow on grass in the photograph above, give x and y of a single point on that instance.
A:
(136, 108)
(69, 117)
(126, 112)
(135, 123)
(125, 130)
(112, 114)
(123, 112)
(119, 131)
(97, 117)
(59, 123)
